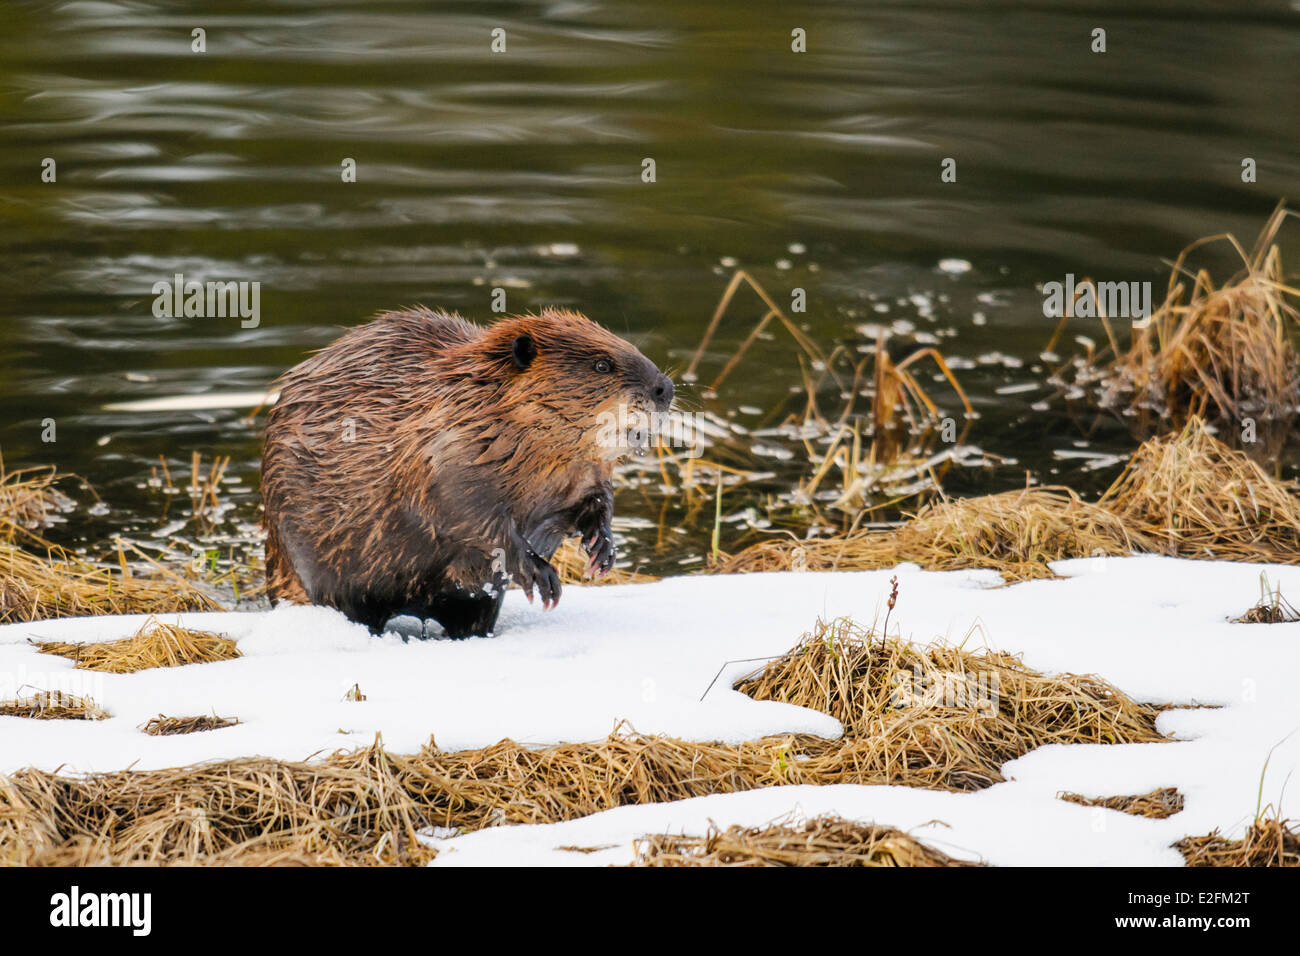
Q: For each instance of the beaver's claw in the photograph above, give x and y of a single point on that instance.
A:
(535, 569)
(592, 522)
(600, 551)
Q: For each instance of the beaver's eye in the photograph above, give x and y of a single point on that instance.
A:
(604, 365)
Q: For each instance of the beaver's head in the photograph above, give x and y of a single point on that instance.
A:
(581, 378)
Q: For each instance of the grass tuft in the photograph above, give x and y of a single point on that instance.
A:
(1272, 607)
(1156, 805)
(155, 644)
(29, 500)
(34, 588)
(1221, 352)
(52, 705)
(823, 841)
(1185, 494)
(1016, 533)
(1196, 498)
(161, 726)
(885, 450)
(348, 810)
(1268, 842)
(941, 716)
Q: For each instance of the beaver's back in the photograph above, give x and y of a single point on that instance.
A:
(331, 441)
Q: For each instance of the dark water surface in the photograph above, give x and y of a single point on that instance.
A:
(522, 170)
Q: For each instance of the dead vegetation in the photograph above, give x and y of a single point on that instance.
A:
(1269, 841)
(1186, 495)
(1157, 805)
(1218, 355)
(39, 579)
(52, 705)
(29, 500)
(823, 841)
(857, 455)
(1196, 498)
(1225, 353)
(897, 396)
(155, 644)
(187, 546)
(162, 726)
(348, 810)
(940, 716)
(204, 488)
(1272, 607)
(368, 806)
(1016, 533)
(35, 587)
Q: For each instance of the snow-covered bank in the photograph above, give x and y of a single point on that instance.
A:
(1155, 627)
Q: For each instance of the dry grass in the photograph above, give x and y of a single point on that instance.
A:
(29, 498)
(34, 588)
(900, 405)
(204, 488)
(366, 806)
(1194, 497)
(823, 841)
(39, 580)
(348, 810)
(510, 783)
(1272, 607)
(155, 644)
(1185, 494)
(161, 726)
(52, 705)
(1156, 805)
(1220, 352)
(1268, 842)
(806, 345)
(362, 807)
(1016, 533)
(885, 450)
(943, 717)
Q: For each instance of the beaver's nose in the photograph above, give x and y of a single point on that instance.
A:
(663, 393)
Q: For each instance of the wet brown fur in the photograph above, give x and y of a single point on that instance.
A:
(405, 456)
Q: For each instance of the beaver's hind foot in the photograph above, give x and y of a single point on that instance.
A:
(450, 615)
(405, 626)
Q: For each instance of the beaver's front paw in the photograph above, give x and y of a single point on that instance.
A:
(600, 551)
(535, 569)
(592, 522)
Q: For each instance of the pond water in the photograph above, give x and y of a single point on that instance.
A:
(523, 170)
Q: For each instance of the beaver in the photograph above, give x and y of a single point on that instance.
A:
(420, 462)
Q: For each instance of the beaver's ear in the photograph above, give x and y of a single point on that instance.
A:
(522, 351)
